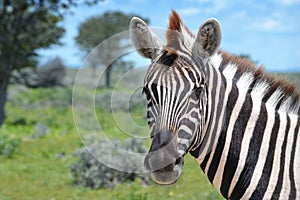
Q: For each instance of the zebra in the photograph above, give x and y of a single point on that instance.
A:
(239, 123)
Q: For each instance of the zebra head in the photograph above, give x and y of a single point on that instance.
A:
(175, 88)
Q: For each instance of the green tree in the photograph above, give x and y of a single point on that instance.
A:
(246, 56)
(25, 27)
(96, 30)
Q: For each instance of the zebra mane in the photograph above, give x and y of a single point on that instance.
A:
(178, 33)
(283, 93)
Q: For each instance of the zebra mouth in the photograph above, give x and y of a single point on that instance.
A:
(167, 175)
(163, 161)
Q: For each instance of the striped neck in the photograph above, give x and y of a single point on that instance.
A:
(243, 116)
(214, 113)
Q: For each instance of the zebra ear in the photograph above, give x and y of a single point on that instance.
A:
(143, 39)
(209, 37)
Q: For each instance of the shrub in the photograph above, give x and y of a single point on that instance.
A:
(40, 130)
(52, 73)
(90, 172)
(120, 100)
(49, 75)
(8, 146)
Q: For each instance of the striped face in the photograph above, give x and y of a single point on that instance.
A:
(175, 90)
(175, 97)
(175, 101)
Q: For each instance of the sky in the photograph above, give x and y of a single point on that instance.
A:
(268, 30)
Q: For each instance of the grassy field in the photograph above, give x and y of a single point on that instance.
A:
(41, 167)
(38, 171)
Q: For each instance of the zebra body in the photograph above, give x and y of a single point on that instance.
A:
(241, 125)
(256, 144)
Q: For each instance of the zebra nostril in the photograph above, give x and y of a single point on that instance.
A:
(178, 160)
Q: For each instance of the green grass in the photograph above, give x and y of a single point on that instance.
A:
(35, 171)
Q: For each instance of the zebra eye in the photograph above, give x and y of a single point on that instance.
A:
(198, 92)
(168, 58)
(146, 92)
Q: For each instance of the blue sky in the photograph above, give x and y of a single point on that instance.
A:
(267, 30)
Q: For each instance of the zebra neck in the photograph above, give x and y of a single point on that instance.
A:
(247, 142)
(214, 112)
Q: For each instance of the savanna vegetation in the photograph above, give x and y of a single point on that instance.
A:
(27, 26)
(43, 143)
(39, 139)
(41, 130)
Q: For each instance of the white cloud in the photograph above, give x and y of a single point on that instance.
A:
(237, 16)
(189, 11)
(217, 6)
(298, 53)
(206, 6)
(203, 1)
(270, 25)
(289, 2)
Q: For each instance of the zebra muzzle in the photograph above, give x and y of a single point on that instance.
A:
(163, 161)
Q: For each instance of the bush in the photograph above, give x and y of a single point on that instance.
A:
(33, 99)
(8, 146)
(51, 74)
(40, 130)
(120, 100)
(90, 172)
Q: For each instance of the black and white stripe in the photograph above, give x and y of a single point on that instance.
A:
(173, 102)
(241, 126)
(255, 150)
(247, 148)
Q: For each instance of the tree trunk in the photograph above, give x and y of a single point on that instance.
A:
(3, 93)
(107, 75)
